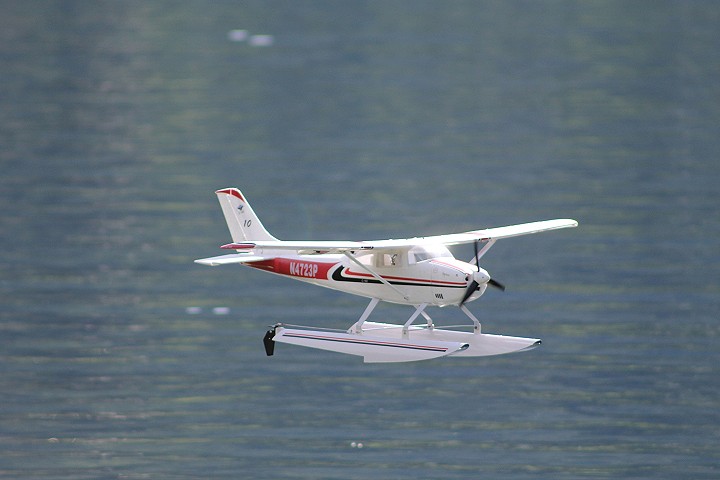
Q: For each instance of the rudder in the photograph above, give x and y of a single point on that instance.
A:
(242, 221)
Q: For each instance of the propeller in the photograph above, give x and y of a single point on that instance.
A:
(496, 284)
(470, 290)
(481, 275)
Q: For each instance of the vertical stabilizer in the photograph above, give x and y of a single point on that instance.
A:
(244, 225)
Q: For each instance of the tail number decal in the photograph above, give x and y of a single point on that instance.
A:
(300, 269)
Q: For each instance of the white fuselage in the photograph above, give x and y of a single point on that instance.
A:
(439, 281)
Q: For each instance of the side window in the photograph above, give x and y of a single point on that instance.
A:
(366, 259)
(389, 259)
(421, 253)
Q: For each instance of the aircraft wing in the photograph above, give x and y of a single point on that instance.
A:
(317, 247)
(501, 232)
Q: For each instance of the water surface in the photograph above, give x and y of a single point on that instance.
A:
(362, 120)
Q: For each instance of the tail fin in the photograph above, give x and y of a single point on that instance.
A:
(244, 225)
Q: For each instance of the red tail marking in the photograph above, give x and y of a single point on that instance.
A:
(232, 191)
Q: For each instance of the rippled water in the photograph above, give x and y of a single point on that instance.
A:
(120, 358)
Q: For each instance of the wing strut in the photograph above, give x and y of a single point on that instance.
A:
(483, 250)
(373, 273)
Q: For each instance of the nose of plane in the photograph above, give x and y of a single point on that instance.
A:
(481, 276)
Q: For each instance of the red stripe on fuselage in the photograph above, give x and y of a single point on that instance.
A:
(295, 268)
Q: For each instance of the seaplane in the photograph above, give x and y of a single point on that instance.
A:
(419, 272)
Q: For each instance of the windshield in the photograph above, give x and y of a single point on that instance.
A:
(419, 254)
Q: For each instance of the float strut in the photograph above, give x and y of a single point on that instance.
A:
(418, 310)
(357, 327)
(476, 322)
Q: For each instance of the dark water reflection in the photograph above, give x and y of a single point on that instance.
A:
(362, 120)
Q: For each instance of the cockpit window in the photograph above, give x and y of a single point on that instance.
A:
(419, 254)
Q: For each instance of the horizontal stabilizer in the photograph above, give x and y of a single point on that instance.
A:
(373, 349)
(227, 259)
(302, 247)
